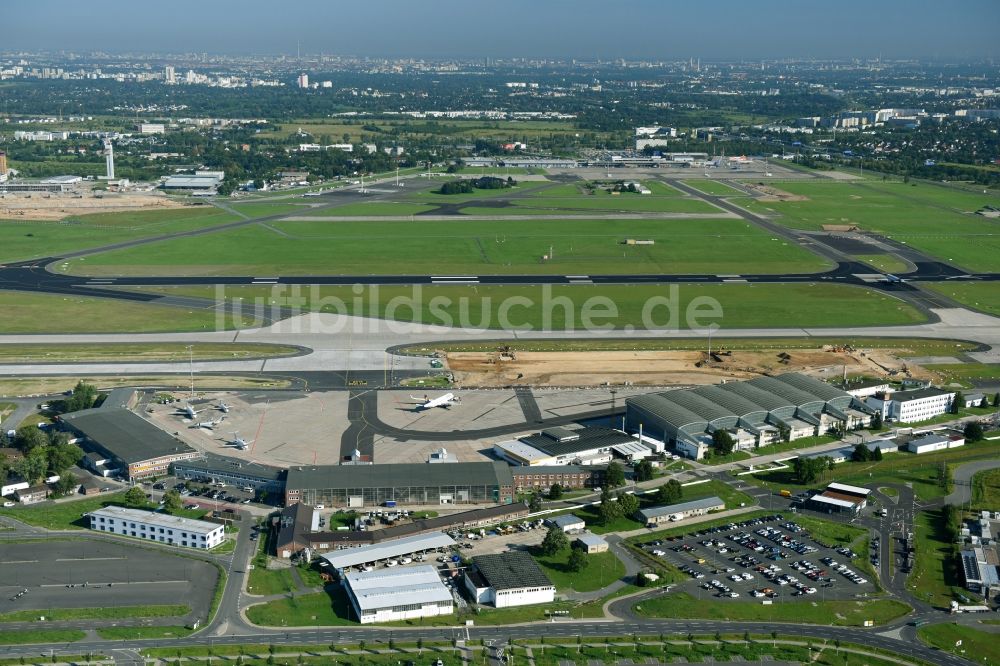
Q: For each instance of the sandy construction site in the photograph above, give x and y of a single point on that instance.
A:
(662, 368)
(43, 206)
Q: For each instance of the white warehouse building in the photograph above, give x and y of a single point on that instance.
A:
(389, 595)
(158, 527)
(508, 579)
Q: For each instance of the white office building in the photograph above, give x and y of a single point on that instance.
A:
(389, 595)
(159, 527)
(508, 579)
(914, 405)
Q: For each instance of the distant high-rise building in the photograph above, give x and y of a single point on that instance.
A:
(169, 76)
(303, 80)
(110, 158)
(3, 163)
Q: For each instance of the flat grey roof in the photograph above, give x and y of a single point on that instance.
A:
(918, 394)
(387, 550)
(566, 520)
(389, 588)
(511, 570)
(575, 441)
(125, 435)
(703, 503)
(158, 519)
(212, 462)
(590, 539)
(401, 475)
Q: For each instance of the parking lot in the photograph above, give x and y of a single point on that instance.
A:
(762, 558)
(205, 494)
(97, 574)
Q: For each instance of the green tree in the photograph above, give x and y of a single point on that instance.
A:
(30, 437)
(578, 560)
(722, 442)
(629, 504)
(807, 470)
(606, 495)
(62, 457)
(614, 477)
(877, 454)
(877, 423)
(996, 399)
(957, 403)
(32, 466)
(134, 497)
(643, 471)
(84, 396)
(67, 483)
(861, 453)
(951, 517)
(608, 512)
(172, 500)
(670, 492)
(555, 540)
(535, 502)
(973, 432)
(556, 491)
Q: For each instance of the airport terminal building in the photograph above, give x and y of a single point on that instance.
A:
(758, 412)
(127, 441)
(358, 486)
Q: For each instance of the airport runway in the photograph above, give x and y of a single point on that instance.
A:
(33, 276)
(351, 345)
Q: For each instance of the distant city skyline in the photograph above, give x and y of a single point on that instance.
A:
(643, 29)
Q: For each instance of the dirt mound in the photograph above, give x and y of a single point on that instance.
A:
(50, 207)
(659, 368)
(770, 193)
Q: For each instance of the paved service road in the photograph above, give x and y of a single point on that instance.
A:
(963, 480)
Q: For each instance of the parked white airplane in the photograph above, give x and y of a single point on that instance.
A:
(209, 425)
(188, 411)
(446, 400)
(238, 442)
(223, 407)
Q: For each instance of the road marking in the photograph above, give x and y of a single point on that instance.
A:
(119, 582)
(18, 561)
(88, 559)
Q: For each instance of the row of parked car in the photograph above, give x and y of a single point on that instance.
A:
(722, 589)
(845, 571)
(785, 541)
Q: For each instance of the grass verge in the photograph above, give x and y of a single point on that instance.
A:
(28, 636)
(840, 613)
(976, 646)
(110, 613)
(142, 633)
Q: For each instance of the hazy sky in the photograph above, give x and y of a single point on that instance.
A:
(719, 29)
